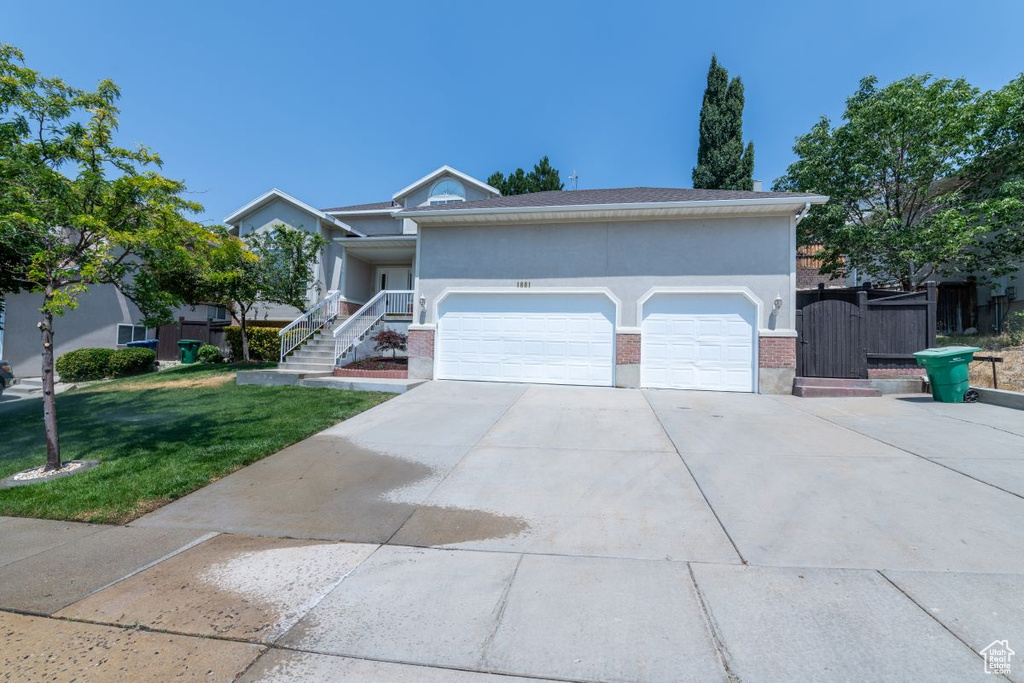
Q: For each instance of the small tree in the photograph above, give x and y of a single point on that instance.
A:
(544, 177)
(267, 266)
(76, 210)
(390, 340)
(722, 161)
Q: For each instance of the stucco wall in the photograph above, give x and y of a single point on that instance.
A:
(629, 258)
(278, 211)
(358, 279)
(92, 324)
(374, 225)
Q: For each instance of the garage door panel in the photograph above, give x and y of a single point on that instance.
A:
(698, 341)
(545, 338)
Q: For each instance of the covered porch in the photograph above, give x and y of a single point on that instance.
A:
(364, 266)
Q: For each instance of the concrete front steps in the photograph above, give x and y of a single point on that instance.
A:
(826, 387)
(316, 355)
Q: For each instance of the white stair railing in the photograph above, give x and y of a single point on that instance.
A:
(386, 302)
(309, 323)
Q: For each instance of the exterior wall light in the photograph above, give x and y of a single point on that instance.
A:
(423, 303)
(778, 302)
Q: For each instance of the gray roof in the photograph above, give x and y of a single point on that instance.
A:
(374, 206)
(625, 195)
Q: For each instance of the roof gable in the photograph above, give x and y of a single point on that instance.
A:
(275, 194)
(435, 175)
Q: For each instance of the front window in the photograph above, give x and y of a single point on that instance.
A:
(130, 333)
(447, 191)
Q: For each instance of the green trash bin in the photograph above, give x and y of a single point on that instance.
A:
(948, 370)
(188, 350)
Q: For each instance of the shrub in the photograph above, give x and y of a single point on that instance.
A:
(390, 340)
(127, 362)
(84, 365)
(1015, 329)
(264, 343)
(210, 354)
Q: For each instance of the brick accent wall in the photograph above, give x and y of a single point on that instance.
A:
(777, 352)
(348, 307)
(375, 374)
(421, 344)
(627, 349)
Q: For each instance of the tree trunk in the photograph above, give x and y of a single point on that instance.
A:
(49, 397)
(245, 339)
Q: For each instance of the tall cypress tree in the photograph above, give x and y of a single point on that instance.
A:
(722, 161)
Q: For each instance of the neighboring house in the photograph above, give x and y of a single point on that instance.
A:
(651, 287)
(104, 318)
(808, 269)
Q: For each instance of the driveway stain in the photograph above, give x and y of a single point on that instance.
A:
(436, 526)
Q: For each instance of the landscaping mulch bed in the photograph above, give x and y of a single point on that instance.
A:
(376, 368)
(379, 364)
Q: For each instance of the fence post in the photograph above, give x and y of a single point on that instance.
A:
(862, 306)
(933, 311)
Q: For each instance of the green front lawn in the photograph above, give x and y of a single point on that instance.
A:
(159, 437)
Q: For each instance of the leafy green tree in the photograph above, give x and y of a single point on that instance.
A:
(77, 210)
(924, 180)
(543, 178)
(722, 161)
(268, 266)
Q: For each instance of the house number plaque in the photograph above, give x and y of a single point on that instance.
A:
(523, 284)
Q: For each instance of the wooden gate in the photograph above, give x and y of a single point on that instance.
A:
(831, 340)
(851, 333)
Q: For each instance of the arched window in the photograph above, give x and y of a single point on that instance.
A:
(447, 191)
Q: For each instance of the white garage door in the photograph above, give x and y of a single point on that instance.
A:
(543, 338)
(698, 341)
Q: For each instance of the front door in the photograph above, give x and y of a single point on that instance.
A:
(394, 278)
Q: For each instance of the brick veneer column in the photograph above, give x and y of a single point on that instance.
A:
(421, 354)
(421, 343)
(627, 349)
(777, 352)
(776, 361)
(627, 360)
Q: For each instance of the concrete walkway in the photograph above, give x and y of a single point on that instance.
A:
(559, 533)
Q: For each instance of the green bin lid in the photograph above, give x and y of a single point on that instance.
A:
(946, 351)
(190, 341)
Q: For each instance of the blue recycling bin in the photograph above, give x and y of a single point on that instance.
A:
(145, 344)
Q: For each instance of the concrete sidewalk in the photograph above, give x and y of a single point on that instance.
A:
(558, 533)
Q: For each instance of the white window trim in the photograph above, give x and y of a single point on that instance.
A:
(117, 333)
(434, 199)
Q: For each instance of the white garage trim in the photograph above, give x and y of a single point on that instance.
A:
(678, 364)
(511, 334)
(711, 289)
(448, 291)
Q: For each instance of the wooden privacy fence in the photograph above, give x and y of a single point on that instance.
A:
(850, 333)
(207, 331)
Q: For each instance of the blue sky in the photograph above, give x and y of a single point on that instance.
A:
(342, 102)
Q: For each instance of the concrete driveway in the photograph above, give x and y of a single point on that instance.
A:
(564, 533)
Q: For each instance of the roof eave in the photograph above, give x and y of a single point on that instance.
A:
(634, 209)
